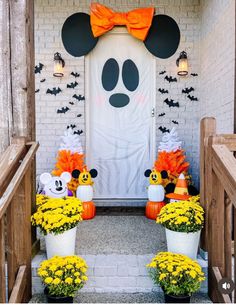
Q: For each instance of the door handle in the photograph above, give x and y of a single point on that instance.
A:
(153, 112)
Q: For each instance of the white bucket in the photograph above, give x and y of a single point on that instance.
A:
(183, 243)
(61, 244)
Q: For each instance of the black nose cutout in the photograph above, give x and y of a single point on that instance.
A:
(59, 188)
(119, 100)
(110, 74)
(130, 75)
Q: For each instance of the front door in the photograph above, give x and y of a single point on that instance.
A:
(120, 99)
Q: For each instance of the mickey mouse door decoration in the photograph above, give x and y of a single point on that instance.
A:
(160, 33)
(121, 90)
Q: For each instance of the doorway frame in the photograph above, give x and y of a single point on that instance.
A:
(115, 31)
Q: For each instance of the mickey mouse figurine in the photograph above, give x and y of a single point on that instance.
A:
(156, 192)
(55, 187)
(85, 191)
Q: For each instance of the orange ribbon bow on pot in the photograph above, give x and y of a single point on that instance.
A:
(137, 21)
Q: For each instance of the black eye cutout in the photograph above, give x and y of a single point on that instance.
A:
(110, 74)
(130, 75)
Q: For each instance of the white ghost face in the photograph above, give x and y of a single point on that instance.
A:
(55, 187)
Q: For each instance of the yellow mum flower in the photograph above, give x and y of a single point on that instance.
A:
(58, 272)
(193, 274)
(77, 281)
(48, 280)
(56, 281)
(68, 280)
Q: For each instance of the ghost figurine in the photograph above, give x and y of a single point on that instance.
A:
(55, 186)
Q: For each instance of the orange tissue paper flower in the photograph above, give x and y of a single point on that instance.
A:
(67, 162)
(173, 162)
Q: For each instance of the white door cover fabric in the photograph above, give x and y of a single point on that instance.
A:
(120, 139)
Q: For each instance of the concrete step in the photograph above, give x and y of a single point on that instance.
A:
(114, 273)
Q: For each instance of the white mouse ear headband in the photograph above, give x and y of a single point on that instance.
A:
(45, 178)
(66, 176)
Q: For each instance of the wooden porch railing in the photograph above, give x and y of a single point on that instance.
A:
(218, 197)
(15, 225)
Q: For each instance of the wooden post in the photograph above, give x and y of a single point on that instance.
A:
(19, 240)
(5, 78)
(23, 81)
(215, 236)
(208, 128)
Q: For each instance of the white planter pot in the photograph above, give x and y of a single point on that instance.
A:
(183, 243)
(84, 192)
(156, 193)
(61, 244)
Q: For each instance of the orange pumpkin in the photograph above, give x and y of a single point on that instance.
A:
(153, 209)
(89, 210)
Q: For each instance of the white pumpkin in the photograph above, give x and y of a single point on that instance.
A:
(156, 193)
(84, 192)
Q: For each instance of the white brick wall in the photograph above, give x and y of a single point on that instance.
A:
(217, 62)
(49, 18)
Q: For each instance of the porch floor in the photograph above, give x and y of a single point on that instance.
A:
(132, 235)
(117, 249)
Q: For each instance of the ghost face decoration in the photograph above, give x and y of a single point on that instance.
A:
(55, 187)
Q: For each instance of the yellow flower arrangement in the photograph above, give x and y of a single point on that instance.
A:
(57, 215)
(182, 216)
(177, 274)
(61, 281)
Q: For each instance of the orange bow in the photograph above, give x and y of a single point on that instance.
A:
(138, 21)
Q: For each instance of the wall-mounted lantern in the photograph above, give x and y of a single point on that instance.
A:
(59, 65)
(182, 64)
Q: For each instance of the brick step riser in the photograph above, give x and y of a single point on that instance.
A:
(113, 273)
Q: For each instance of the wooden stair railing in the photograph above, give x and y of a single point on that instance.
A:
(218, 197)
(15, 226)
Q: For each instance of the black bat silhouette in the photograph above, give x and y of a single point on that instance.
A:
(171, 103)
(79, 97)
(54, 91)
(79, 132)
(43, 80)
(72, 85)
(71, 126)
(63, 110)
(188, 90)
(163, 129)
(71, 103)
(36, 91)
(38, 68)
(175, 122)
(161, 114)
(192, 98)
(162, 72)
(75, 74)
(170, 79)
(163, 91)
(194, 74)
(79, 115)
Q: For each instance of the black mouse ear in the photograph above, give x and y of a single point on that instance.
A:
(164, 174)
(192, 190)
(147, 173)
(163, 36)
(93, 172)
(77, 36)
(75, 173)
(170, 188)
